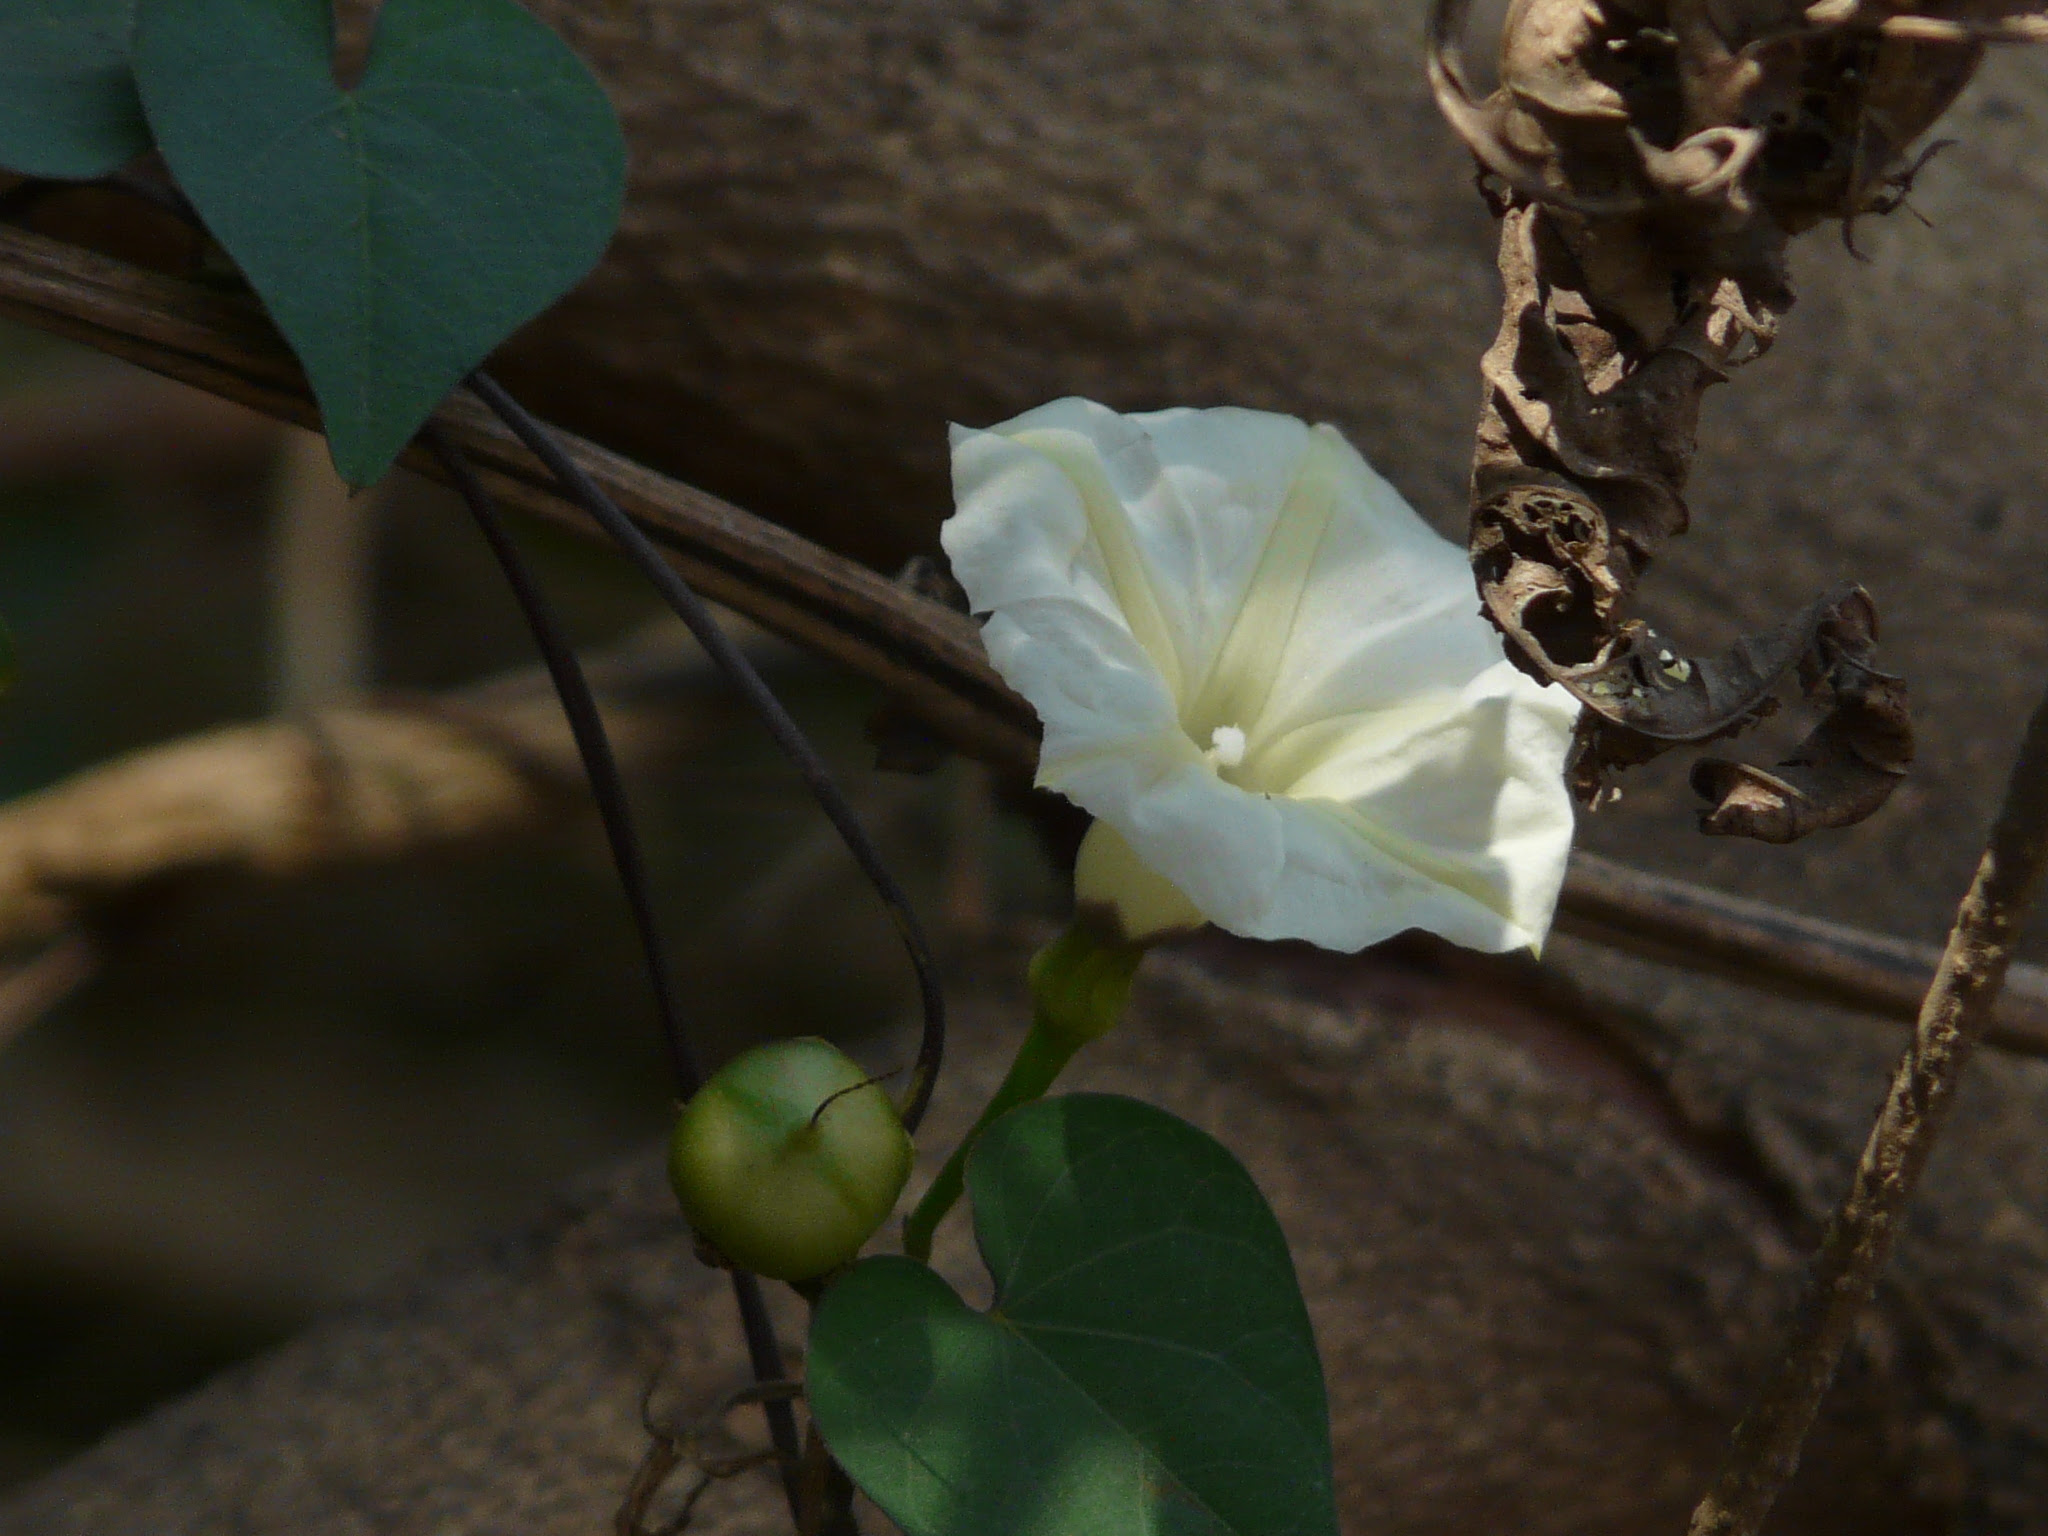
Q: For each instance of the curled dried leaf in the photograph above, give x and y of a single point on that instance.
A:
(1544, 561)
(1846, 769)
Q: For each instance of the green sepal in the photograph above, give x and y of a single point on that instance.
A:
(1080, 983)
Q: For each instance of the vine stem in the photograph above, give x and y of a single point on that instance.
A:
(788, 736)
(593, 746)
(1040, 1059)
(1957, 1011)
(608, 789)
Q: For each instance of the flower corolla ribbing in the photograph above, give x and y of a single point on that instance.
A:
(1265, 676)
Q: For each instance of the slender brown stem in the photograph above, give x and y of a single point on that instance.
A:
(593, 745)
(787, 735)
(1955, 1015)
(826, 1500)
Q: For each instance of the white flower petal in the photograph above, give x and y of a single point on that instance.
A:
(1260, 668)
(1460, 800)
(1386, 608)
(1091, 683)
(1223, 847)
(1176, 508)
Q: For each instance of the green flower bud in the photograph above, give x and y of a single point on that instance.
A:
(773, 1184)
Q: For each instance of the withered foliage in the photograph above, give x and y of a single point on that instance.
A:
(1650, 161)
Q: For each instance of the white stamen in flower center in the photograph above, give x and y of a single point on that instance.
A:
(1226, 746)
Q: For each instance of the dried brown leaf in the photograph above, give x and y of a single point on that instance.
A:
(1651, 160)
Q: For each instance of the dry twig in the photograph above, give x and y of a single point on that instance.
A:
(1859, 1239)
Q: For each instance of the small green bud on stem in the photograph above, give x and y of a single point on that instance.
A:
(789, 1159)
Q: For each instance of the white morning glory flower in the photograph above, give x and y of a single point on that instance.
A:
(1266, 678)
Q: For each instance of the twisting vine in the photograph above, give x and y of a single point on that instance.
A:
(818, 1491)
(608, 790)
(787, 735)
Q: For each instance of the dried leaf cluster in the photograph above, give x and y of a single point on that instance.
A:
(1651, 161)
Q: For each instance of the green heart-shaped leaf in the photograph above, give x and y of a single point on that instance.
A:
(67, 102)
(1147, 1366)
(401, 230)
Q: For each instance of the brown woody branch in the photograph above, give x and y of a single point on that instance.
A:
(1697, 928)
(1956, 1015)
(286, 797)
(921, 652)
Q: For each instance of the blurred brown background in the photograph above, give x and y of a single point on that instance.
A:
(850, 222)
(275, 1093)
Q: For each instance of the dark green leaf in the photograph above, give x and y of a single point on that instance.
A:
(67, 102)
(399, 231)
(1147, 1366)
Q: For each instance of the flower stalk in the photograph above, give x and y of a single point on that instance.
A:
(1079, 983)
